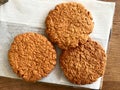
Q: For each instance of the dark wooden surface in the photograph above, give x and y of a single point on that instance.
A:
(112, 74)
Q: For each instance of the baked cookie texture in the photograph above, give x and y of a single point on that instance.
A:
(32, 56)
(69, 25)
(83, 64)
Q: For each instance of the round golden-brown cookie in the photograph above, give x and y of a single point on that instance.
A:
(69, 24)
(32, 56)
(83, 64)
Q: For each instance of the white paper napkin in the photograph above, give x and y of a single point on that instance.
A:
(18, 16)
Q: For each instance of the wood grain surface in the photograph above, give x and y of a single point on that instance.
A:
(112, 74)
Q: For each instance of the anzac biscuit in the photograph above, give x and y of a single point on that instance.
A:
(69, 25)
(83, 64)
(32, 56)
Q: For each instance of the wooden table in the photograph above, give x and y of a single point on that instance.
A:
(112, 75)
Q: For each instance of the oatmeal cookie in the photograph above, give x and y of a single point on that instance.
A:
(32, 56)
(83, 64)
(69, 25)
